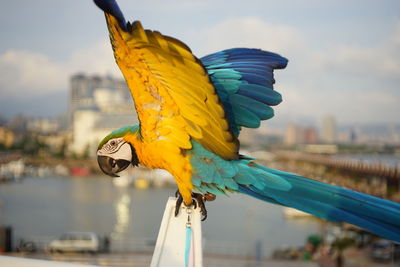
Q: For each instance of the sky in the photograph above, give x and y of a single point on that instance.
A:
(344, 56)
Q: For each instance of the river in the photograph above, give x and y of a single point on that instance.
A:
(48, 207)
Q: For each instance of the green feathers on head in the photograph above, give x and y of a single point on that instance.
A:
(119, 133)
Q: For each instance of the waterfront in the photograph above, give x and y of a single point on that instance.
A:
(47, 207)
(386, 159)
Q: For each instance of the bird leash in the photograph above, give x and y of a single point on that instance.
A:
(189, 247)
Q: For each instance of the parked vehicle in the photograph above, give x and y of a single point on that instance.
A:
(76, 242)
(385, 250)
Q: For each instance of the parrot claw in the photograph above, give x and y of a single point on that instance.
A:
(178, 203)
(198, 200)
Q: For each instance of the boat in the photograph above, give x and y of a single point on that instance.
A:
(79, 171)
(294, 213)
(141, 183)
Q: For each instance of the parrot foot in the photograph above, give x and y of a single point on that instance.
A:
(198, 200)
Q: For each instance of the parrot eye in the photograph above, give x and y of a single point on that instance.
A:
(112, 146)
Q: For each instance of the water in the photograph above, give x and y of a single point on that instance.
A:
(51, 206)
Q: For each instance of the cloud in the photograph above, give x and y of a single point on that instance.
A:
(348, 81)
(358, 60)
(380, 61)
(26, 74)
(250, 32)
(396, 34)
(97, 59)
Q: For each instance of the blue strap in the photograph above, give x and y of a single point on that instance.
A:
(188, 244)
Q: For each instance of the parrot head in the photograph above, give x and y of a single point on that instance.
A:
(115, 154)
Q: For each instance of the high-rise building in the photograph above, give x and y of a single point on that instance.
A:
(292, 135)
(296, 134)
(328, 129)
(7, 137)
(98, 105)
(83, 89)
(310, 135)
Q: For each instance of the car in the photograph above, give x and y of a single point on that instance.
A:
(76, 242)
(385, 250)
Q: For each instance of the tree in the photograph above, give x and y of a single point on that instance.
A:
(340, 244)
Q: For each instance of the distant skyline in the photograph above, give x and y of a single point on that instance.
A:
(343, 56)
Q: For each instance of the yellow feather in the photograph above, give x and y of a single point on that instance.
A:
(138, 33)
(193, 129)
(173, 161)
(173, 94)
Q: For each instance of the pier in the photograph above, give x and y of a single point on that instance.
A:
(357, 170)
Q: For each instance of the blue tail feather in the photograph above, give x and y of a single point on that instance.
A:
(333, 203)
(215, 175)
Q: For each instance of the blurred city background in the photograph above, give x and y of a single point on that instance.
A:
(61, 93)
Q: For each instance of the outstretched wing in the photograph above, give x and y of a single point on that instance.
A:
(174, 97)
(244, 81)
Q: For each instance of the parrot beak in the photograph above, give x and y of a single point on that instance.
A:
(111, 166)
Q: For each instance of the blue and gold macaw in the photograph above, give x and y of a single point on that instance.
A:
(191, 112)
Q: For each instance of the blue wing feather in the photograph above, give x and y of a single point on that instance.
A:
(269, 97)
(262, 111)
(248, 73)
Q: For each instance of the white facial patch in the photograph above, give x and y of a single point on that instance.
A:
(116, 148)
(124, 152)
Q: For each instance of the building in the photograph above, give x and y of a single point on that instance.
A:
(98, 105)
(7, 137)
(84, 87)
(42, 125)
(293, 133)
(18, 124)
(296, 134)
(328, 129)
(90, 126)
(310, 135)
